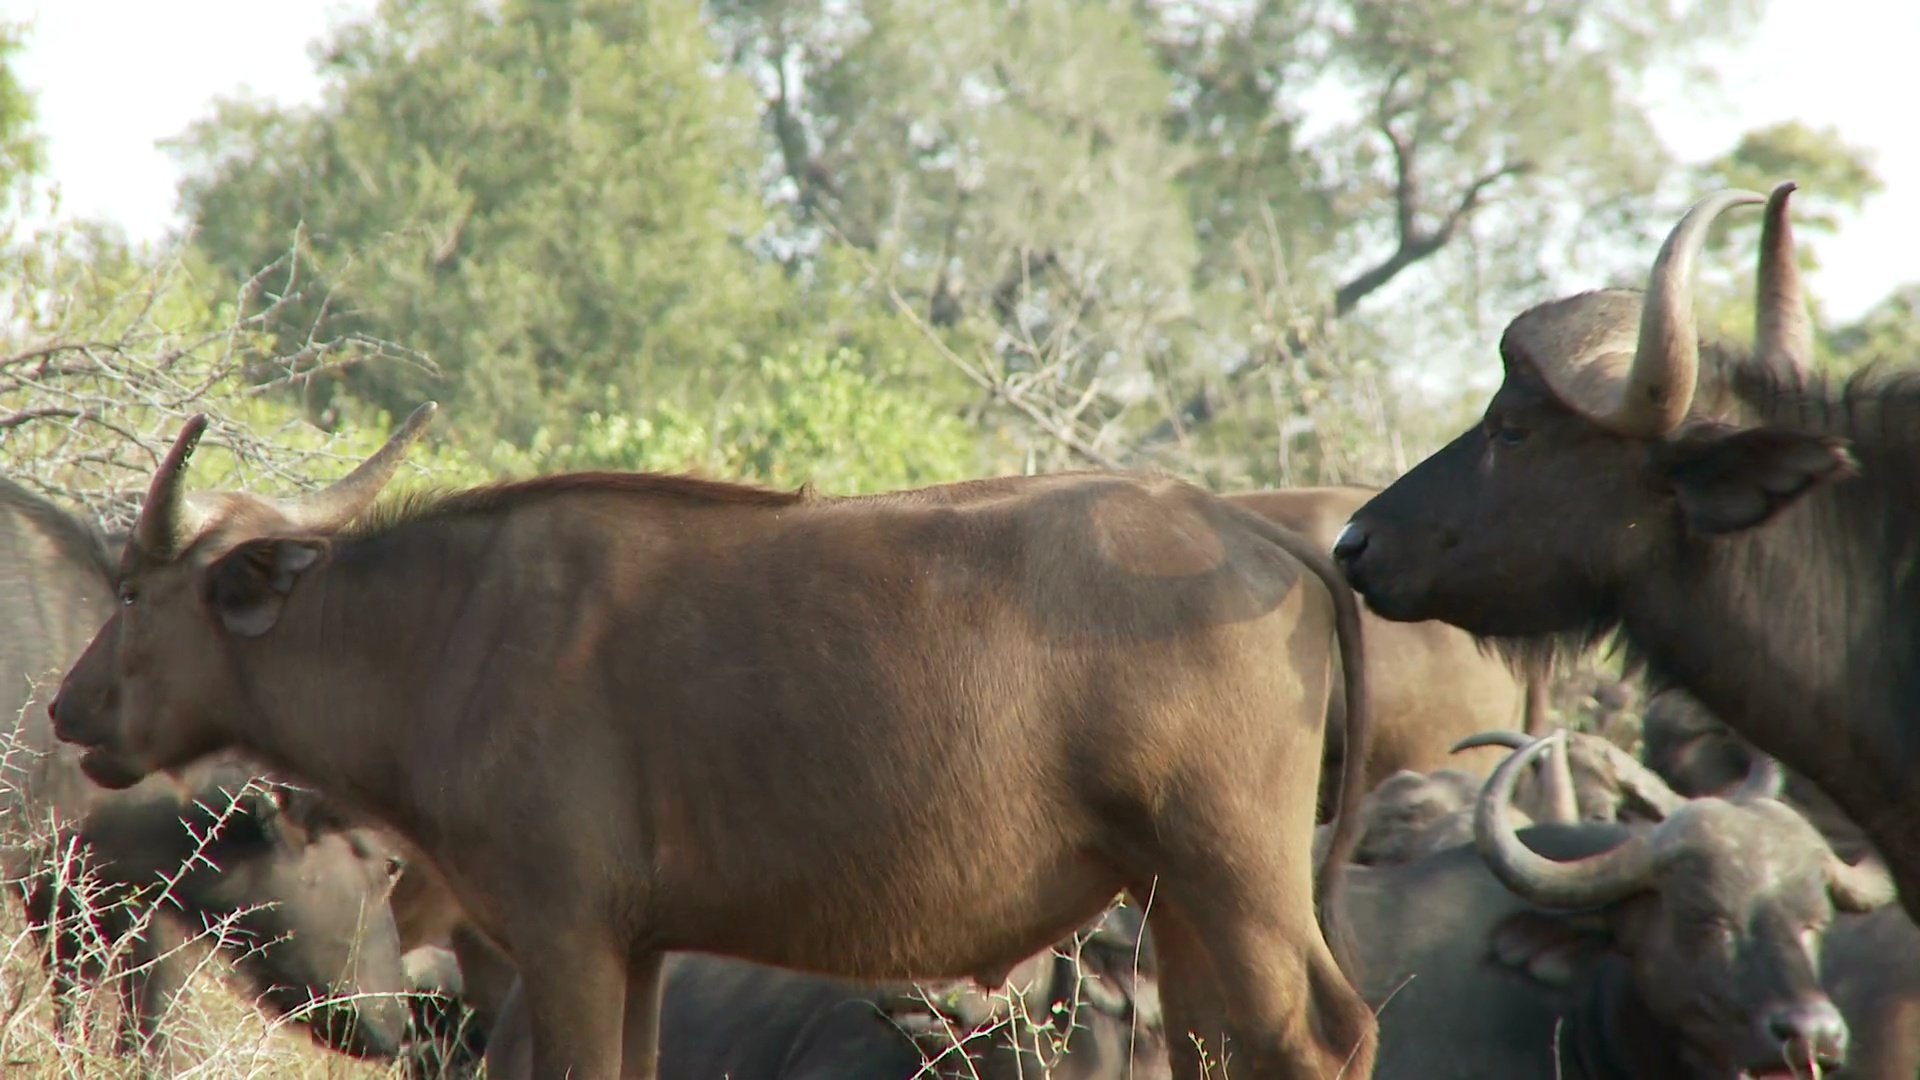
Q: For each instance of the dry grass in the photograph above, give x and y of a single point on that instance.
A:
(213, 1021)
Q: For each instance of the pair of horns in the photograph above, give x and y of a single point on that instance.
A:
(1628, 868)
(165, 521)
(1653, 395)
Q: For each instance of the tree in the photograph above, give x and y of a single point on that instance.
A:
(551, 198)
(1019, 172)
(21, 153)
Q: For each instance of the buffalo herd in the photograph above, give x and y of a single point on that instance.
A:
(1085, 775)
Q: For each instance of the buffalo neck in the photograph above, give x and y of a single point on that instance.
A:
(1609, 1034)
(1798, 634)
(351, 688)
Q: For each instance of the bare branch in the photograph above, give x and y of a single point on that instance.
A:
(86, 409)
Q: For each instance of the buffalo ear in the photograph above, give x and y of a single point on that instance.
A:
(248, 586)
(1551, 948)
(1730, 480)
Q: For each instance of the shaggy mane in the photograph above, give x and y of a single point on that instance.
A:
(506, 495)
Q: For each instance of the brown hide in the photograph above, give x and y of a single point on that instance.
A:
(920, 735)
(1431, 685)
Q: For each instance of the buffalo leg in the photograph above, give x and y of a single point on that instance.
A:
(1244, 898)
(576, 998)
(1291, 1012)
(640, 1050)
(509, 1053)
(1190, 1002)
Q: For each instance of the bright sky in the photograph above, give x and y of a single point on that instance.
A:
(115, 76)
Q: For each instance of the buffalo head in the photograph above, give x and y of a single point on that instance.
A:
(201, 575)
(1596, 458)
(1719, 910)
(306, 892)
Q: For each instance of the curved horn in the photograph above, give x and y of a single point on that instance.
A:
(1658, 388)
(1634, 778)
(345, 499)
(1587, 882)
(1764, 780)
(1782, 329)
(1512, 740)
(1558, 803)
(155, 532)
(1630, 775)
(1859, 887)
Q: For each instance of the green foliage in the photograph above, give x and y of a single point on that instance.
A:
(1889, 333)
(811, 416)
(21, 154)
(547, 198)
(889, 241)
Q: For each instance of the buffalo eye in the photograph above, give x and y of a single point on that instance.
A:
(396, 866)
(1717, 932)
(128, 594)
(1509, 435)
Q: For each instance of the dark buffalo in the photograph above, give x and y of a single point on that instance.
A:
(1748, 528)
(1871, 967)
(1681, 949)
(1432, 684)
(292, 894)
(1087, 1011)
(913, 736)
(303, 881)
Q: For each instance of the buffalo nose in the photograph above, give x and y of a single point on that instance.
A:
(1350, 543)
(1817, 1025)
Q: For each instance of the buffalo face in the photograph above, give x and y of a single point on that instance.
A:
(308, 895)
(156, 660)
(1592, 466)
(1718, 912)
(1514, 529)
(204, 580)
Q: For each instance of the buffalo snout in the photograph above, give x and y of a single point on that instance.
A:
(1808, 1031)
(373, 1026)
(1351, 542)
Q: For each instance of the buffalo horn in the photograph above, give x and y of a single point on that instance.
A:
(1658, 388)
(1558, 802)
(1599, 879)
(1764, 780)
(1859, 887)
(349, 496)
(155, 532)
(1782, 330)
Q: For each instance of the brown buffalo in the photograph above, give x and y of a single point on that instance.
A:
(1597, 951)
(1432, 684)
(918, 735)
(1747, 527)
(299, 892)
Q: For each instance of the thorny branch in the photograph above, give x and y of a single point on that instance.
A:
(94, 396)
